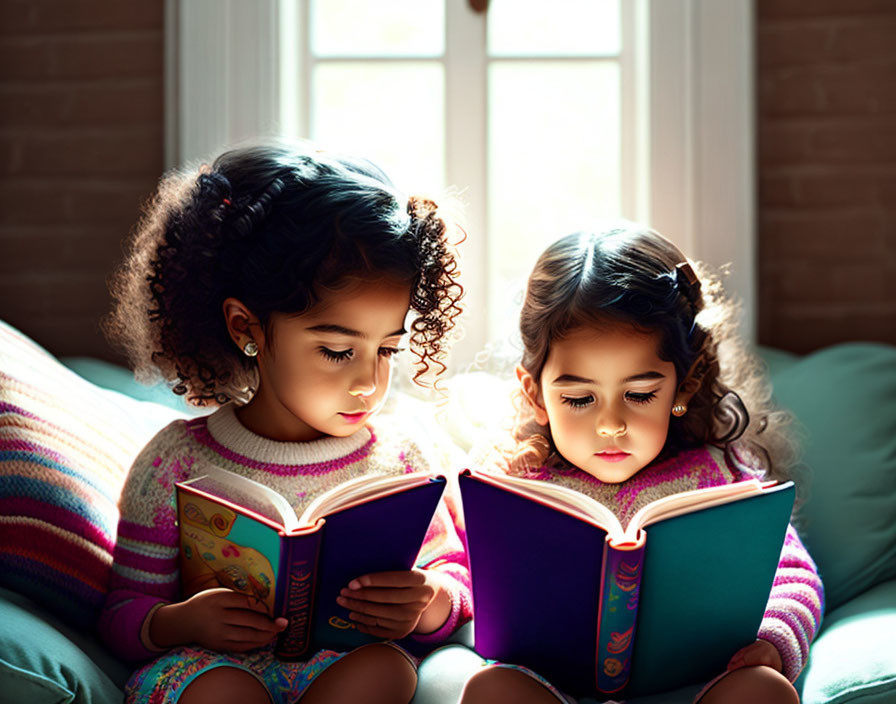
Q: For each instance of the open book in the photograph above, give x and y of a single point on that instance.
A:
(238, 533)
(560, 586)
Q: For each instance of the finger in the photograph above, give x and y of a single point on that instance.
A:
(250, 636)
(245, 618)
(377, 621)
(757, 656)
(378, 632)
(389, 611)
(406, 578)
(393, 595)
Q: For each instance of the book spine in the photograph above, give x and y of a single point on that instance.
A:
(296, 592)
(617, 614)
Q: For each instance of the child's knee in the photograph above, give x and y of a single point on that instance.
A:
(225, 685)
(382, 666)
(502, 684)
(753, 684)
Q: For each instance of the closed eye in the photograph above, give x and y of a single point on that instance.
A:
(637, 397)
(337, 355)
(390, 351)
(577, 401)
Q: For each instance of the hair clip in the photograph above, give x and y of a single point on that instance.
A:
(687, 282)
(226, 201)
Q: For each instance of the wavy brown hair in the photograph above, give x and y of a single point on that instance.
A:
(636, 276)
(277, 226)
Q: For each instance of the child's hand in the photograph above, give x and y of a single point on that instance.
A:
(395, 604)
(759, 653)
(218, 619)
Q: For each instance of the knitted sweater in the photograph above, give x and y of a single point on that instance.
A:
(145, 572)
(796, 602)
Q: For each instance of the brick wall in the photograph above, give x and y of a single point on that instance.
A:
(827, 171)
(81, 145)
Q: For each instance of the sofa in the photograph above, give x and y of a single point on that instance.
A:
(69, 429)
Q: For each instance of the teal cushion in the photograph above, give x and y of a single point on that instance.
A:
(845, 398)
(853, 658)
(43, 661)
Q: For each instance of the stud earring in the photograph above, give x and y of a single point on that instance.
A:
(250, 349)
(679, 409)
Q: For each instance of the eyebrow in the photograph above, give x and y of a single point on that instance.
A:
(341, 330)
(573, 379)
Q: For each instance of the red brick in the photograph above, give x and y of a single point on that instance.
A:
(122, 103)
(82, 57)
(776, 190)
(779, 45)
(872, 38)
(72, 202)
(858, 89)
(832, 236)
(62, 248)
(791, 91)
(802, 329)
(809, 282)
(835, 189)
(782, 142)
(97, 154)
(21, 17)
(778, 9)
(854, 142)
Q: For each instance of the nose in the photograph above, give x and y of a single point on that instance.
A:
(365, 383)
(610, 424)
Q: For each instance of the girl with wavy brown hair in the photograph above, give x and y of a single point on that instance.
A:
(275, 285)
(634, 386)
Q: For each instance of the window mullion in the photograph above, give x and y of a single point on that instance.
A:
(466, 105)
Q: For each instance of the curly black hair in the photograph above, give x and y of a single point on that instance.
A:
(276, 226)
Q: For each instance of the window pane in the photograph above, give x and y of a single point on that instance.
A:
(366, 28)
(390, 113)
(553, 28)
(553, 165)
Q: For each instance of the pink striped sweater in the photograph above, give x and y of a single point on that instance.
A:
(796, 602)
(145, 573)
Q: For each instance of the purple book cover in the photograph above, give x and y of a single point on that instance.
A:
(518, 549)
(378, 536)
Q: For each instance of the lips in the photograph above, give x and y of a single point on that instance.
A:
(354, 417)
(612, 455)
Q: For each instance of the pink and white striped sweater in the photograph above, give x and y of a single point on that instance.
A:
(796, 602)
(145, 572)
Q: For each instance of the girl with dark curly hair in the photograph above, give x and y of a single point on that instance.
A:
(628, 376)
(275, 285)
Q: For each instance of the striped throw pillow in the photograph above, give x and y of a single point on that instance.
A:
(65, 450)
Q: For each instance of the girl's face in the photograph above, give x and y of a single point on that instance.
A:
(326, 372)
(608, 398)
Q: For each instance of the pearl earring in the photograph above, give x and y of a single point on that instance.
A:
(679, 409)
(250, 349)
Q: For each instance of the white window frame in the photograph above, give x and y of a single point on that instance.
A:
(688, 142)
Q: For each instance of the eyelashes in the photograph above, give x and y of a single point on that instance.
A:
(338, 356)
(584, 401)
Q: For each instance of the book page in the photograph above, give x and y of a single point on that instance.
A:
(559, 497)
(690, 501)
(360, 490)
(247, 493)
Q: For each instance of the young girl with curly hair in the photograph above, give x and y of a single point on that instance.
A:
(275, 285)
(634, 386)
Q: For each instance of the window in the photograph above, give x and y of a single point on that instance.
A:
(546, 116)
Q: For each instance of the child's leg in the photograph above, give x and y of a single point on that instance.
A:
(225, 685)
(495, 685)
(372, 674)
(752, 684)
